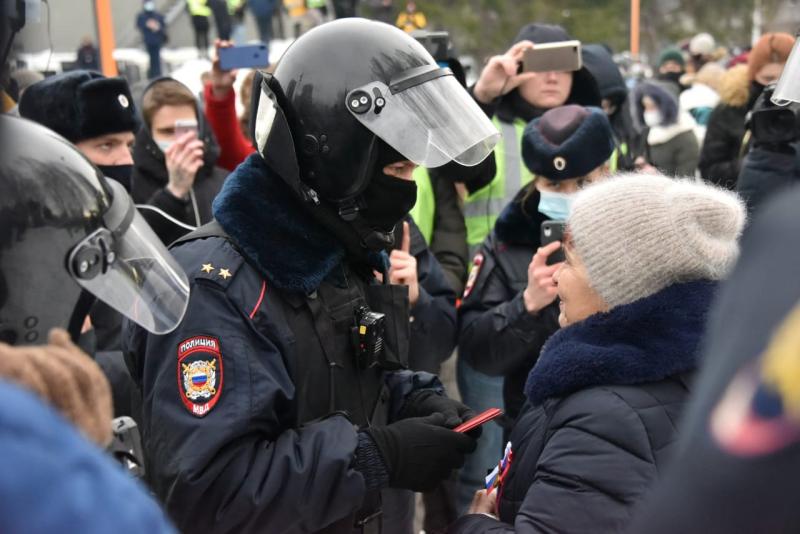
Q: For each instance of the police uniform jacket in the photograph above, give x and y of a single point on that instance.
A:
(251, 406)
(601, 418)
(497, 335)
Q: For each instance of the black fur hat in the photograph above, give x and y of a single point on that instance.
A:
(567, 142)
(80, 105)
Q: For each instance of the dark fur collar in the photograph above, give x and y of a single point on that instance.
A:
(520, 224)
(271, 226)
(644, 341)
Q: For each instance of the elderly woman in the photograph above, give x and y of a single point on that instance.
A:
(644, 253)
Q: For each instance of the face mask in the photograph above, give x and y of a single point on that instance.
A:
(555, 205)
(672, 76)
(149, 6)
(164, 145)
(652, 118)
(388, 200)
(119, 173)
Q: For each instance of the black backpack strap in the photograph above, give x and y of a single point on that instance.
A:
(210, 229)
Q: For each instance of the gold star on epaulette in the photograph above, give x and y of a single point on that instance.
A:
(207, 268)
(225, 273)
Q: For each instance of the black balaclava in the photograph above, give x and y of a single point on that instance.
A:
(387, 199)
(118, 173)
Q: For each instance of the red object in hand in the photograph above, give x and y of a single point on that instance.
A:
(478, 420)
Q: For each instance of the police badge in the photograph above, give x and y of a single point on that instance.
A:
(200, 374)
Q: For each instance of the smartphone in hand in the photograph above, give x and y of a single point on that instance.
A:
(560, 56)
(244, 57)
(553, 231)
(183, 126)
(478, 420)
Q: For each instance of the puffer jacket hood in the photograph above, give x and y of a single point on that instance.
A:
(598, 60)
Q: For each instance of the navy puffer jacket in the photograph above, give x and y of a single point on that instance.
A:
(604, 401)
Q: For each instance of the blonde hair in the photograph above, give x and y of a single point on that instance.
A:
(711, 75)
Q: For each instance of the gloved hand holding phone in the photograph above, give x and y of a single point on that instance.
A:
(418, 452)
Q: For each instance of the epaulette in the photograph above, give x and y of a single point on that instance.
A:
(218, 264)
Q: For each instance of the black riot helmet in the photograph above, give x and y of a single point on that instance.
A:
(68, 236)
(351, 95)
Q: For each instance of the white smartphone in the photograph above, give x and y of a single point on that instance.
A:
(185, 125)
(559, 56)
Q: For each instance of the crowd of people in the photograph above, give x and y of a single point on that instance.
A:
(268, 297)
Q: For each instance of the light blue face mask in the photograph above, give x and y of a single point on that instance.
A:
(555, 205)
(164, 145)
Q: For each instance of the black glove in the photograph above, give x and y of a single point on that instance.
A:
(420, 452)
(427, 401)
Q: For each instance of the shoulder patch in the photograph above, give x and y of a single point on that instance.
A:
(474, 271)
(200, 375)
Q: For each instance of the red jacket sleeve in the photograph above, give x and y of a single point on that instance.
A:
(221, 115)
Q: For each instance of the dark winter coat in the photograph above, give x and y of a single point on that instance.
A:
(497, 335)
(152, 38)
(738, 473)
(150, 178)
(722, 145)
(261, 8)
(604, 401)
(433, 317)
(670, 146)
(766, 172)
(673, 150)
(271, 446)
(88, 57)
(599, 62)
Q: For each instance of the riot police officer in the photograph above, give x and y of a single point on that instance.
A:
(281, 403)
(71, 237)
(68, 237)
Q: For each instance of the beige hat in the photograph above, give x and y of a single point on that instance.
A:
(639, 233)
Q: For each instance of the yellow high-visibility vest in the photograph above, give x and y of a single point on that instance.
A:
(198, 8)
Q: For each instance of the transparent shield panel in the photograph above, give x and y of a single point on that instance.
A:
(143, 282)
(788, 88)
(431, 124)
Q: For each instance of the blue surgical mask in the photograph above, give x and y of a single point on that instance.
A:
(555, 205)
(149, 6)
(164, 145)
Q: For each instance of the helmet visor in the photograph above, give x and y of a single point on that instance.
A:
(788, 88)
(126, 266)
(429, 118)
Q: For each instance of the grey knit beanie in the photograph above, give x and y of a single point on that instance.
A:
(639, 233)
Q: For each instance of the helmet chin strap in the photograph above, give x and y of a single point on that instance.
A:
(79, 313)
(350, 213)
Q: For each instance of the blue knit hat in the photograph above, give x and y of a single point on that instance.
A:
(567, 142)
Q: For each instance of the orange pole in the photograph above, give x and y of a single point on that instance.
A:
(635, 16)
(105, 36)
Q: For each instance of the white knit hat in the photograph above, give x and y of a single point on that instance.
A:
(702, 44)
(639, 233)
